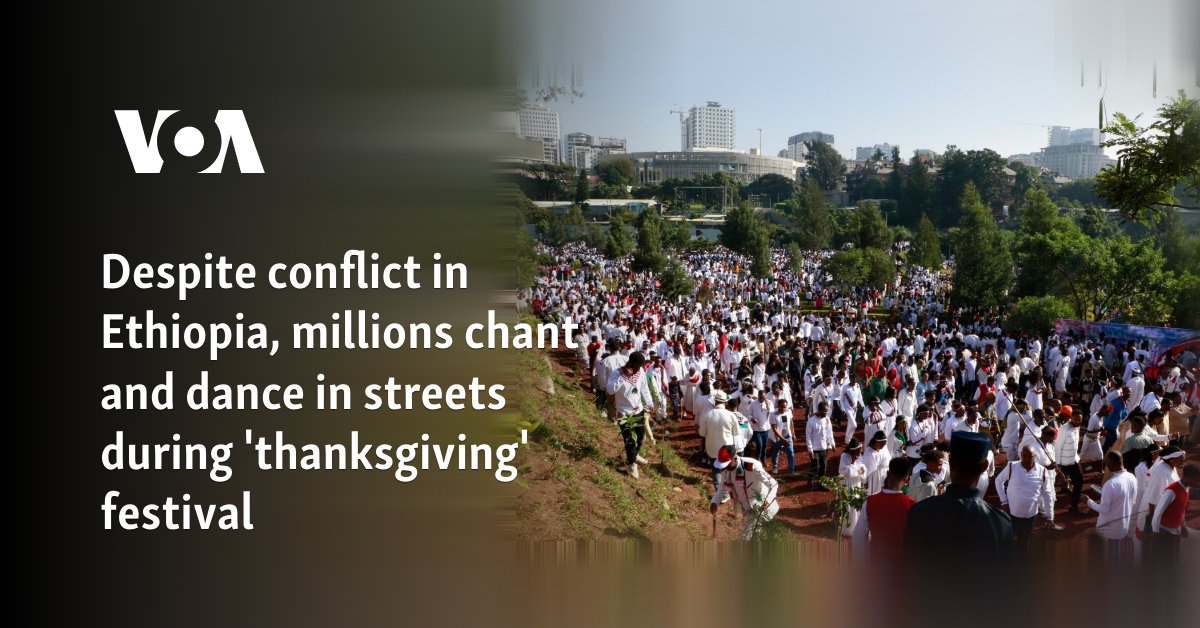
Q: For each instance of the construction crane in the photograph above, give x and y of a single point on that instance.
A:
(680, 115)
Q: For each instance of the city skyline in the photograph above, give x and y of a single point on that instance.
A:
(918, 76)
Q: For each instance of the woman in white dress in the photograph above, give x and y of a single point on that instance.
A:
(854, 471)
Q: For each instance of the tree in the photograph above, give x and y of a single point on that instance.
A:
(649, 252)
(1026, 179)
(775, 187)
(676, 234)
(525, 259)
(871, 229)
(1181, 251)
(869, 268)
(869, 187)
(1153, 160)
(825, 165)
(547, 182)
(1078, 192)
(901, 233)
(916, 199)
(880, 268)
(927, 248)
(666, 193)
(1094, 223)
(581, 187)
(760, 252)
(747, 233)
(737, 234)
(983, 270)
(1039, 214)
(1042, 238)
(895, 184)
(719, 180)
(1036, 315)
(795, 258)
(811, 225)
(552, 230)
(1101, 279)
(983, 169)
(675, 282)
(845, 268)
(619, 172)
(1186, 312)
(619, 243)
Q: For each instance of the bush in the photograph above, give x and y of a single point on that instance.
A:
(1036, 314)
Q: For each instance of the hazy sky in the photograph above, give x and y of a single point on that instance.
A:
(921, 73)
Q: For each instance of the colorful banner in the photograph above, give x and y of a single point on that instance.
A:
(1161, 339)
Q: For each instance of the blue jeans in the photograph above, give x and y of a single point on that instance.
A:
(759, 440)
(785, 445)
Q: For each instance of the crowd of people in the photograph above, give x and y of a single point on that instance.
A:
(931, 404)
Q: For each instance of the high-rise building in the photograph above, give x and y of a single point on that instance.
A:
(538, 122)
(583, 150)
(1074, 153)
(797, 150)
(863, 153)
(579, 139)
(1064, 135)
(1057, 135)
(1076, 161)
(710, 126)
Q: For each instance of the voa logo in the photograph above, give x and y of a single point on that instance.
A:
(183, 142)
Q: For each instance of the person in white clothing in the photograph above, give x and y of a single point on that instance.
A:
(1024, 487)
(1066, 454)
(1168, 524)
(874, 419)
(876, 459)
(921, 431)
(818, 435)
(749, 483)
(1091, 451)
(854, 472)
(852, 403)
(1162, 473)
(633, 398)
(718, 428)
(1137, 388)
(1117, 501)
(782, 436)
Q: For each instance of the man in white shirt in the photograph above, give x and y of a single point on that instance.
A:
(951, 423)
(921, 430)
(1168, 525)
(1117, 501)
(852, 402)
(819, 439)
(1164, 473)
(717, 428)
(782, 436)
(605, 370)
(749, 482)
(1137, 388)
(632, 397)
(1066, 454)
(1027, 485)
(756, 409)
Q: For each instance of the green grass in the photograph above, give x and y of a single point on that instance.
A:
(572, 506)
(623, 505)
(675, 465)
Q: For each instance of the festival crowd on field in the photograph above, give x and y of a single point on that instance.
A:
(935, 409)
